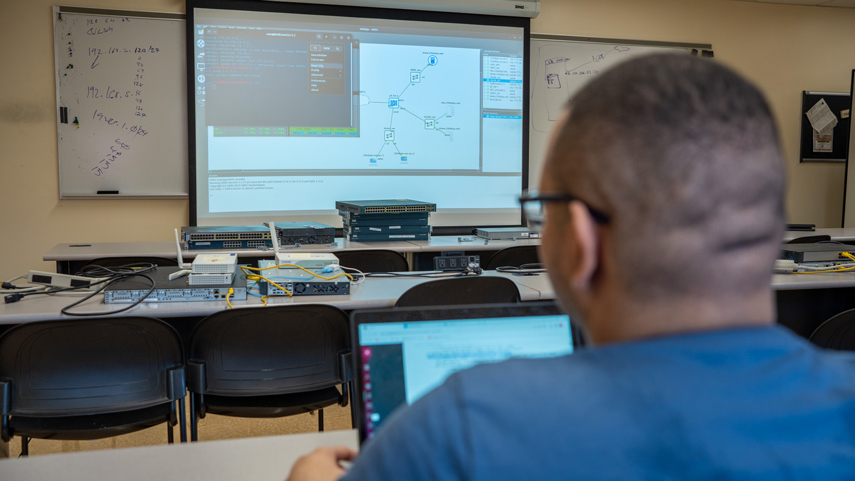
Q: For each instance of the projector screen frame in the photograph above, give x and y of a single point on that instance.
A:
(356, 12)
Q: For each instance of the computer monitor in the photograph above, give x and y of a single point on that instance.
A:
(295, 106)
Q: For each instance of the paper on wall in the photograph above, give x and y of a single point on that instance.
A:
(823, 142)
(822, 119)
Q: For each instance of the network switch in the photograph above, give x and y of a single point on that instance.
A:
(179, 290)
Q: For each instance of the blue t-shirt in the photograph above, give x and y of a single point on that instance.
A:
(751, 403)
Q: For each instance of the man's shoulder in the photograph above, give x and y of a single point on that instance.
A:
(665, 363)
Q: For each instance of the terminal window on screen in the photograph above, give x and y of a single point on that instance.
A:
(296, 107)
(404, 361)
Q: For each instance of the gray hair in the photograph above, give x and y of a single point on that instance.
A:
(684, 156)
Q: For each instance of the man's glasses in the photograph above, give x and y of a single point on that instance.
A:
(533, 207)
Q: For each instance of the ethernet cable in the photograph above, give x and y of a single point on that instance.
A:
(790, 266)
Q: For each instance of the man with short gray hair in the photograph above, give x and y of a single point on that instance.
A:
(662, 209)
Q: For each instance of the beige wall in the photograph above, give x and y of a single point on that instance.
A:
(785, 49)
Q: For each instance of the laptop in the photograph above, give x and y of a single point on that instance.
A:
(400, 354)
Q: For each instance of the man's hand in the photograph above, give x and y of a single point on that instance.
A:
(322, 464)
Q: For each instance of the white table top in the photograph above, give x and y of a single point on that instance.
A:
(373, 293)
(784, 282)
(88, 251)
(256, 459)
(469, 243)
(838, 234)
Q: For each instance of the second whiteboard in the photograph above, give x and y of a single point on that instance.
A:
(561, 66)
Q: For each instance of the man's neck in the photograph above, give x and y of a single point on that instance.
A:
(625, 321)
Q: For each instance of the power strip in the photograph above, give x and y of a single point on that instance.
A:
(62, 280)
(455, 263)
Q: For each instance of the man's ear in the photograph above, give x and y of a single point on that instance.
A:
(585, 242)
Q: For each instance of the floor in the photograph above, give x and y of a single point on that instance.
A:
(211, 428)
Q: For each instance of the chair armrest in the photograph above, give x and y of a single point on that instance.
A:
(5, 397)
(176, 385)
(5, 407)
(347, 377)
(346, 365)
(197, 379)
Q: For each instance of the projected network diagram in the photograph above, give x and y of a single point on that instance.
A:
(419, 109)
(394, 104)
(424, 110)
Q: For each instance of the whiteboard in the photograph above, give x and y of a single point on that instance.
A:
(561, 65)
(121, 103)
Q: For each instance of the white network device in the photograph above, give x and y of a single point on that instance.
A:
(215, 264)
(211, 279)
(306, 260)
(301, 283)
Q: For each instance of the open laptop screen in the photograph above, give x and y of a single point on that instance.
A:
(403, 354)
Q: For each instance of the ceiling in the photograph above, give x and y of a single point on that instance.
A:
(819, 3)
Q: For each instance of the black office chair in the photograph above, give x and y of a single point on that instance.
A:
(373, 260)
(269, 362)
(838, 332)
(459, 291)
(90, 379)
(514, 256)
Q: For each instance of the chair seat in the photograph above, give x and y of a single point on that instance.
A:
(272, 406)
(91, 427)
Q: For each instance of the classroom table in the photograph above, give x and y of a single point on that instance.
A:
(803, 301)
(69, 257)
(257, 459)
(372, 293)
(839, 234)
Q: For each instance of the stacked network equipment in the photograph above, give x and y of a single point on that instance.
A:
(294, 233)
(213, 269)
(385, 220)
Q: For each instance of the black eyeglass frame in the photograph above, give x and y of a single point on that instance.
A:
(598, 215)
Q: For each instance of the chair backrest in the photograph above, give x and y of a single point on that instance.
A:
(810, 239)
(90, 366)
(459, 291)
(374, 260)
(269, 350)
(514, 256)
(838, 332)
